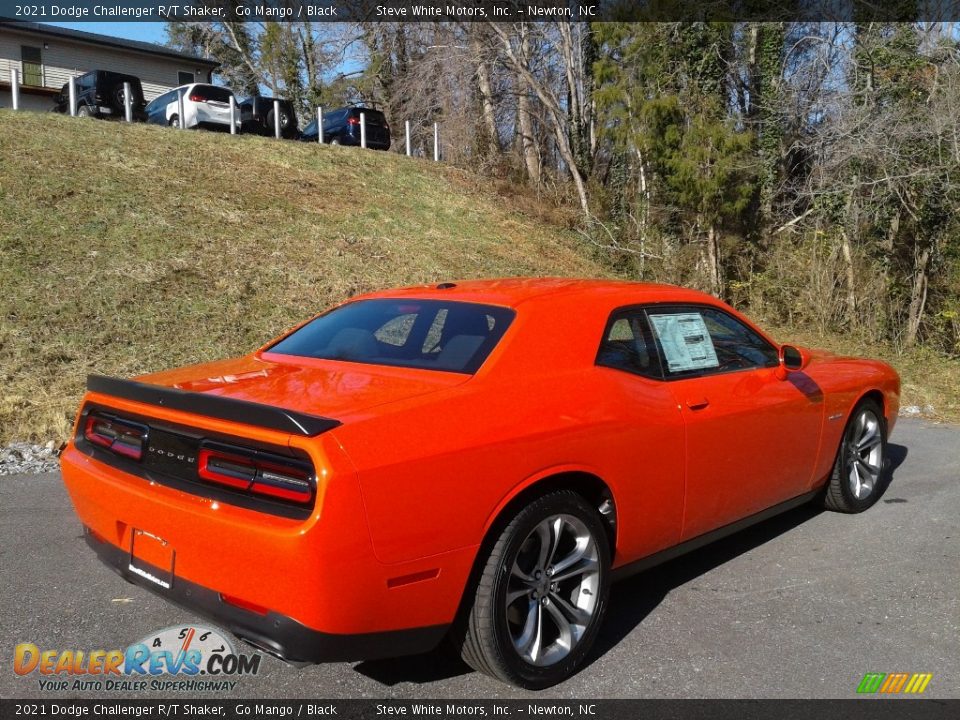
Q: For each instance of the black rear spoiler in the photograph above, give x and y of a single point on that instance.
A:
(215, 406)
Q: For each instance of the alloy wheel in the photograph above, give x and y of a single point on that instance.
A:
(864, 457)
(553, 590)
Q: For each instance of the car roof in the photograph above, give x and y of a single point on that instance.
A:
(511, 292)
(200, 84)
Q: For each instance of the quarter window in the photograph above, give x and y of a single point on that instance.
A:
(628, 345)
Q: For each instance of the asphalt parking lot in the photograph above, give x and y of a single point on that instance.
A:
(800, 606)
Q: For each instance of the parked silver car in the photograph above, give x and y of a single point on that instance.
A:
(206, 106)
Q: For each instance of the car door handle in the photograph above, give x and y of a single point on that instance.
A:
(697, 403)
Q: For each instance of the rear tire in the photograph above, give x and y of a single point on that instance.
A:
(119, 97)
(542, 594)
(335, 141)
(284, 122)
(858, 475)
(84, 111)
(174, 121)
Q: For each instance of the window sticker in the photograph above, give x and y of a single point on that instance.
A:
(685, 340)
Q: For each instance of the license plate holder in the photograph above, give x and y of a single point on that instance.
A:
(151, 558)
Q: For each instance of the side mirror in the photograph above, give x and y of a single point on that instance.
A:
(790, 359)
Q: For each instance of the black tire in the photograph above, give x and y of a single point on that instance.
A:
(853, 486)
(500, 637)
(174, 121)
(284, 121)
(335, 141)
(84, 111)
(116, 92)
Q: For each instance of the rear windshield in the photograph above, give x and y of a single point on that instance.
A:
(431, 334)
(373, 117)
(211, 92)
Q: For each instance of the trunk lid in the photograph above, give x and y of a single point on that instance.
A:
(328, 388)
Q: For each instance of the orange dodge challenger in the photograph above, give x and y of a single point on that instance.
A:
(475, 460)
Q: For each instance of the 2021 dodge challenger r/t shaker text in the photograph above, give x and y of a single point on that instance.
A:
(473, 460)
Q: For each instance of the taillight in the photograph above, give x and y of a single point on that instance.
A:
(231, 470)
(258, 473)
(197, 98)
(118, 436)
(353, 121)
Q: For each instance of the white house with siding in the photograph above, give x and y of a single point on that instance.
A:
(47, 56)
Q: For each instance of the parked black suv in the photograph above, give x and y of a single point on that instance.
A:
(256, 113)
(341, 126)
(100, 94)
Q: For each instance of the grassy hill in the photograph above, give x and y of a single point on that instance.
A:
(126, 249)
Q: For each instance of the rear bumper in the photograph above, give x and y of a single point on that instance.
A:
(351, 136)
(317, 590)
(273, 633)
(201, 115)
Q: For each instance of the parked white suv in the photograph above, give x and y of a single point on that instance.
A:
(203, 106)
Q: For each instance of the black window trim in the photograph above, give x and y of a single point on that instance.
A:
(631, 311)
(644, 309)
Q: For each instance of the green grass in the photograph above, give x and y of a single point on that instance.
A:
(125, 250)
(128, 249)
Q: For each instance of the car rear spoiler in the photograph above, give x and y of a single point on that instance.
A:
(215, 406)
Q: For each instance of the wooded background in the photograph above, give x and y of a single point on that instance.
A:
(809, 172)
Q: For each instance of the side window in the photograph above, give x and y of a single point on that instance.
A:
(628, 345)
(702, 340)
(738, 346)
(159, 103)
(431, 343)
(396, 330)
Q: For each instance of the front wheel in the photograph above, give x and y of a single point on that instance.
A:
(541, 597)
(858, 473)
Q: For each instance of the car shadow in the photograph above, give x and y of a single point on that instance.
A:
(440, 664)
(632, 599)
(896, 455)
(636, 597)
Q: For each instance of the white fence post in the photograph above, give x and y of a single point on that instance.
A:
(233, 115)
(407, 126)
(183, 120)
(436, 142)
(276, 119)
(72, 94)
(363, 130)
(127, 102)
(15, 88)
(320, 125)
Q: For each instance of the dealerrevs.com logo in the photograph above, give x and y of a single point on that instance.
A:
(179, 658)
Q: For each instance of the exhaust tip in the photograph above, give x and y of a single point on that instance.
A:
(273, 652)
